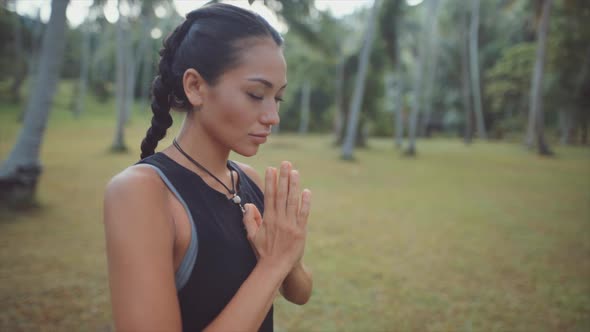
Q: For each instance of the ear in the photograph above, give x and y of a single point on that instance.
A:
(194, 87)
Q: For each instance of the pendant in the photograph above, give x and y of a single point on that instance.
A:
(236, 199)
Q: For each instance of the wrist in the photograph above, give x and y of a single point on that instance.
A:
(280, 269)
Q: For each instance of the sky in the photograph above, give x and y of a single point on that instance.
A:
(78, 9)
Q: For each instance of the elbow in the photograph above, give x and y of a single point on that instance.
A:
(299, 298)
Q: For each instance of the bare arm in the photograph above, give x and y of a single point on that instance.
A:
(139, 242)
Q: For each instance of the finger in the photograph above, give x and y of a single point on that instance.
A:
(305, 208)
(250, 220)
(283, 187)
(293, 196)
(257, 216)
(270, 183)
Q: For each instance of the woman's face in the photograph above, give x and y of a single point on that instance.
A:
(240, 108)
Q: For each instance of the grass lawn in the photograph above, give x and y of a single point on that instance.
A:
(488, 237)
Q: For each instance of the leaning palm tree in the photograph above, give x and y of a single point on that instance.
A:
(357, 99)
(21, 170)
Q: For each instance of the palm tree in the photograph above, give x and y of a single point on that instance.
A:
(474, 57)
(390, 23)
(126, 64)
(465, 83)
(338, 120)
(84, 65)
(357, 99)
(121, 83)
(536, 121)
(20, 172)
(420, 55)
(432, 52)
(20, 68)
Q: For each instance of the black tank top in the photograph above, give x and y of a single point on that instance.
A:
(224, 257)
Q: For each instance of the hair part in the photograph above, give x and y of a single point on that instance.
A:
(207, 41)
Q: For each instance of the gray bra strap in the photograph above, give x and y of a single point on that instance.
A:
(188, 261)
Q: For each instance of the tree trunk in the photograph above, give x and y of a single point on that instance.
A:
(359, 89)
(20, 172)
(417, 96)
(399, 111)
(338, 116)
(474, 56)
(584, 130)
(432, 49)
(536, 121)
(19, 71)
(129, 79)
(465, 81)
(84, 61)
(393, 95)
(33, 61)
(565, 127)
(305, 100)
(144, 47)
(121, 86)
(147, 70)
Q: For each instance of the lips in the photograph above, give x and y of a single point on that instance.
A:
(259, 138)
(260, 134)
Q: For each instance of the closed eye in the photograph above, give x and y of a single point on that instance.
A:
(255, 97)
(279, 99)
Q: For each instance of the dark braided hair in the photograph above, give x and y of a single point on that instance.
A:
(206, 41)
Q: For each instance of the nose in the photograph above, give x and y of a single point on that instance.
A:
(270, 116)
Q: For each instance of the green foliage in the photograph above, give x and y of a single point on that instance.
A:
(316, 43)
(509, 80)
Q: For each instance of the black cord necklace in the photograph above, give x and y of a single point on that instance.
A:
(235, 198)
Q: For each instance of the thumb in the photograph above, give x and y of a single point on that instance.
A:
(257, 215)
(249, 220)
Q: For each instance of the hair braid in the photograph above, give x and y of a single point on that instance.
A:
(163, 95)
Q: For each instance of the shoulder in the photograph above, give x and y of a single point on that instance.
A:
(251, 172)
(135, 197)
(136, 180)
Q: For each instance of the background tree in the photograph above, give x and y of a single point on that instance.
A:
(536, 119)
(355, 108)
(20, 172)
(474, 68)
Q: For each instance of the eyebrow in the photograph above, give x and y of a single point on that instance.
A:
(265, 82)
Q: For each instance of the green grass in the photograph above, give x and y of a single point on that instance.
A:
(488, 237)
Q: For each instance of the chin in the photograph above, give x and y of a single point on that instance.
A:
(246, 151)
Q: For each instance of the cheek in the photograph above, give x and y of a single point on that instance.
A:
(237, 113)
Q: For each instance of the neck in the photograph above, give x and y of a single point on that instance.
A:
(209, 152)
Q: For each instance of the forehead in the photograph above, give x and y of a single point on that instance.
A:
(262, 58)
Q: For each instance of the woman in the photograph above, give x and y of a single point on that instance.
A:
(192, 242)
